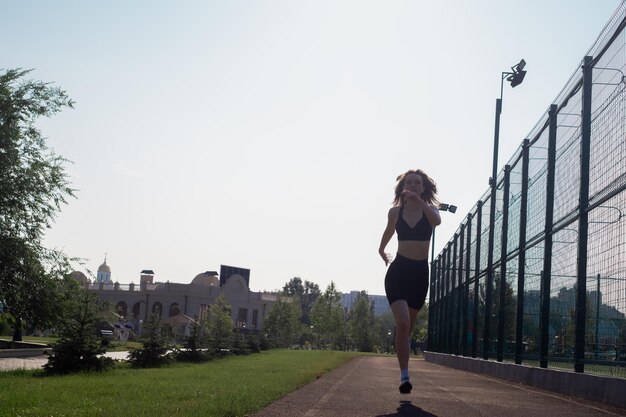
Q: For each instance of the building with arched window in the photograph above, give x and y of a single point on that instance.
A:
(177, 303)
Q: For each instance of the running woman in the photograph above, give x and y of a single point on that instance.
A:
(413, 216)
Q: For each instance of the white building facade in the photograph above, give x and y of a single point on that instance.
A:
(172, 302)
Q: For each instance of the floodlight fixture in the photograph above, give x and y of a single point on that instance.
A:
(517, 76)
(516, 79)
(447, 207)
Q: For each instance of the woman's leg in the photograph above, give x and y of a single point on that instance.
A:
(405, 318)
(402, 315)
(412, 319)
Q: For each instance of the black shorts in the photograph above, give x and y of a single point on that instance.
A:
(407, 280)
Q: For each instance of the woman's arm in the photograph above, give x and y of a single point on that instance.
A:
(387, 235)
(431, 212)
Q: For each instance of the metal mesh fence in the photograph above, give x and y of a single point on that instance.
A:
(542, 279)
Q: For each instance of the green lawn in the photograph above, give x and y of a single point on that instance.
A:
(234, 386)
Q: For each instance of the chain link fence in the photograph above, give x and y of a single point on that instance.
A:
(552, 291)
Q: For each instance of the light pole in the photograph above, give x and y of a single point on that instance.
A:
(442, 207)
(452, 209)
(515, 78)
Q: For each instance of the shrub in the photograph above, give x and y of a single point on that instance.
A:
(78, 348)
(5, 325)
(220, 327)
(254, 343)
(195, 348)
(240, 345)
(153, 352)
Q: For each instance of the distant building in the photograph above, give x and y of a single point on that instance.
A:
(226, 271)
(179, 303)
(381, 305)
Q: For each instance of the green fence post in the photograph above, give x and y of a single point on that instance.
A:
(503, 253)
(583, 217)
(479, 212)
(460, 294)
(544, 323)
(466, 288)
(519, 335)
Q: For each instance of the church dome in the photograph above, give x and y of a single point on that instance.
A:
(80, 277)
(104, 267)
(207, 279)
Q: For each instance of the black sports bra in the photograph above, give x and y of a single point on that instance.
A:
(421, 231)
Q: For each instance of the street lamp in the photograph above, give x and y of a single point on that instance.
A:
(447, 207)
(515, 78)
(452, 209)
(442, 207)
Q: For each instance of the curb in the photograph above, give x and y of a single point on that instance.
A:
(592, 387)
(24, 353)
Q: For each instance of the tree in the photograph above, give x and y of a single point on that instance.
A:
(510, 308)
(386, 325)
(30, 291)
(282, 324)
(621, 341)
(79, 348)
(33, 186)
(306, 293)
(195, 345)
(154, 347)
(294, 287)
(420, 331)
(220, 325)
(327, 316)
(362, 323)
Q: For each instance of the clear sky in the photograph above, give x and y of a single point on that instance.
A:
(268, 134)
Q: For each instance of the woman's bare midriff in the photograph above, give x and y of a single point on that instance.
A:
(414, 249)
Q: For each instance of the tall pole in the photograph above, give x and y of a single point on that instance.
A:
(466, 313)
(431, 314)
(503, 255)
(521, 271)
(479, 216)
(597, 314)
(492, 220)
(431, 299)
(515, 78)
(546, 277)
(583, 218)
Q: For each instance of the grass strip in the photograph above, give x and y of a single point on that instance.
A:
(228, 387)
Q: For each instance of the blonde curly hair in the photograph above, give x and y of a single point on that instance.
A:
(430, 188)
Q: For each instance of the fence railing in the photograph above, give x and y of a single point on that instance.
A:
(556, 291)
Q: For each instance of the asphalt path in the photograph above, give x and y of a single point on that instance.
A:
(368, 386)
